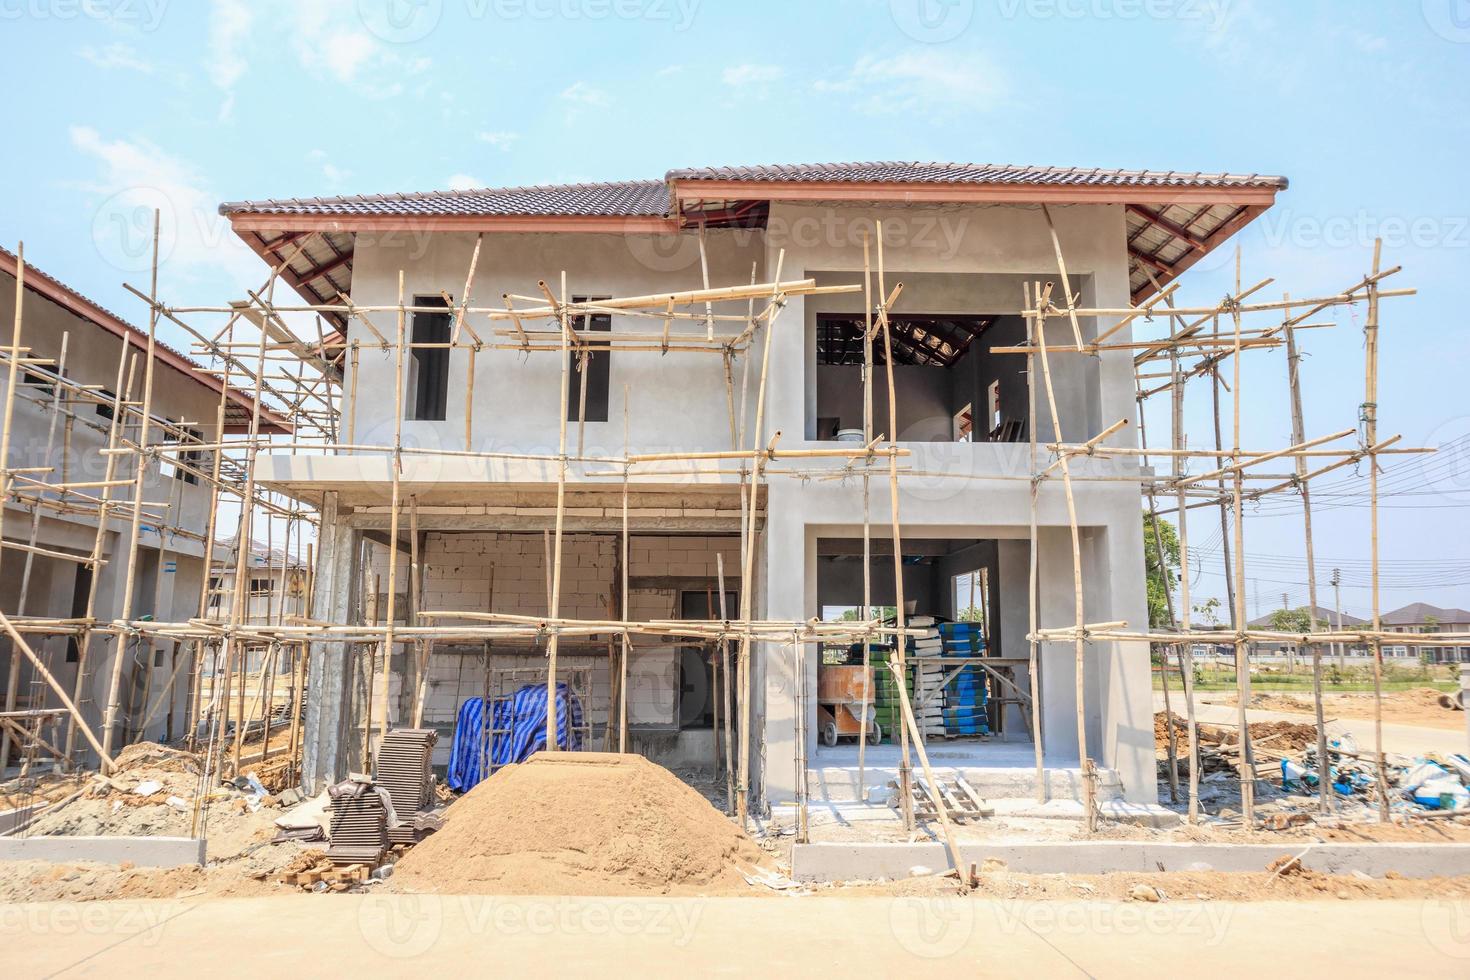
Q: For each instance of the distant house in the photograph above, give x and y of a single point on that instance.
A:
(1327, 620)
(1421, 617)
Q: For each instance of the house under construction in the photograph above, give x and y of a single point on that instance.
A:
(807, 476)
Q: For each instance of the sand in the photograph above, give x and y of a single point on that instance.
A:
(582, 824)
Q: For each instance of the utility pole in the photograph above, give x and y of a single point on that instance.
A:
(1337, 591)
(1290, 648)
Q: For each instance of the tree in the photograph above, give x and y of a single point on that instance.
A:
(1292, 620)
(1162, 570)
(1209, 611)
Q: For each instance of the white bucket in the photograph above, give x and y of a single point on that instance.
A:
(851, 435)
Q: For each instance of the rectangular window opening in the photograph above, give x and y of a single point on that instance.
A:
(428, 383)
(597, 364)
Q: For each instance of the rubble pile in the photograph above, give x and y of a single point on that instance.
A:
(1286, 759)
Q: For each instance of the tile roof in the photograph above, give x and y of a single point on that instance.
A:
(1415, 612)
(631, 198)
(54, 290)
(651, 198)
(973, 173)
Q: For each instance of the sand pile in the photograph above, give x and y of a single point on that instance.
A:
(1277, 737)
(582, 823)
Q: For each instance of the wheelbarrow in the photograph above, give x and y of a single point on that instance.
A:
(841, 691)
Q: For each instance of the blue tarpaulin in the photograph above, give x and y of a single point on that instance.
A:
(518, 730)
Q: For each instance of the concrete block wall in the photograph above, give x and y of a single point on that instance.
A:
(457, 575)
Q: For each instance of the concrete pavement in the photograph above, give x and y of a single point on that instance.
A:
(403, 935)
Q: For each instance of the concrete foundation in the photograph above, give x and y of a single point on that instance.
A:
(145, 852)
(850, 862)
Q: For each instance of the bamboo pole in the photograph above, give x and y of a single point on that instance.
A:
(13, 681)
(1033, 612)
(119, 655)
(1369, 415)
(1089, 773)
(561, 512)
(1298, 428)
(1242, 663)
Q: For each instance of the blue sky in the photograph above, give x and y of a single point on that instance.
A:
(1362, 104)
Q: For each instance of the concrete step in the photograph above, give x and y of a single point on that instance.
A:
(839, 784)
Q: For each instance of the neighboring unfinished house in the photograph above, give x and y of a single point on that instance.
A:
(968, 243)
(275, 584)
(59, 560)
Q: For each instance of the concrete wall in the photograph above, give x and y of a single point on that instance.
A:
(506, 573)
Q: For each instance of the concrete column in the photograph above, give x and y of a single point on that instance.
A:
(327, 720)
(789, 557)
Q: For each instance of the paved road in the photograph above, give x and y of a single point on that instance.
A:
(1397, 738)
(398, 935)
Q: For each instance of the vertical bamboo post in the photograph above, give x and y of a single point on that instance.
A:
(729, 700)
(561, 510)
(1186, 648)
(1033, 611)
(867, 697)
(13, 681)
(900, 646)
(121, 395)
(1299, 436)
(396, 506)
(1089, 773)
(141, 467)
(747, 551)
(1242, 663)
(623, 654)
(1369, 415)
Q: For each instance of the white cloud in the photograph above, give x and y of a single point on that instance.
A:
(117, 55)
(133, 178)
(229, 25)
(464, 182)
(928, 83)
(740, 75)
(583, 94)
(335, 175)
(668, 70)
(330, 41)
(501, 140)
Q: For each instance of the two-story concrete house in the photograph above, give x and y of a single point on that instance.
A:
(965, 240)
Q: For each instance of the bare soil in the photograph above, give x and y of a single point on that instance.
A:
(583, 824)
(1416, 706)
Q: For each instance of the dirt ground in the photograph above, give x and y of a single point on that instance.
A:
(1416, 706)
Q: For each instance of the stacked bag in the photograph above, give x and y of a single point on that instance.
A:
(964, 698)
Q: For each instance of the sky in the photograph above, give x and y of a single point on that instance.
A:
(119, 106)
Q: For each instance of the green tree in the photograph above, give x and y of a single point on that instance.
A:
(1162, 570)
(1209, 611)
(1292, 620)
